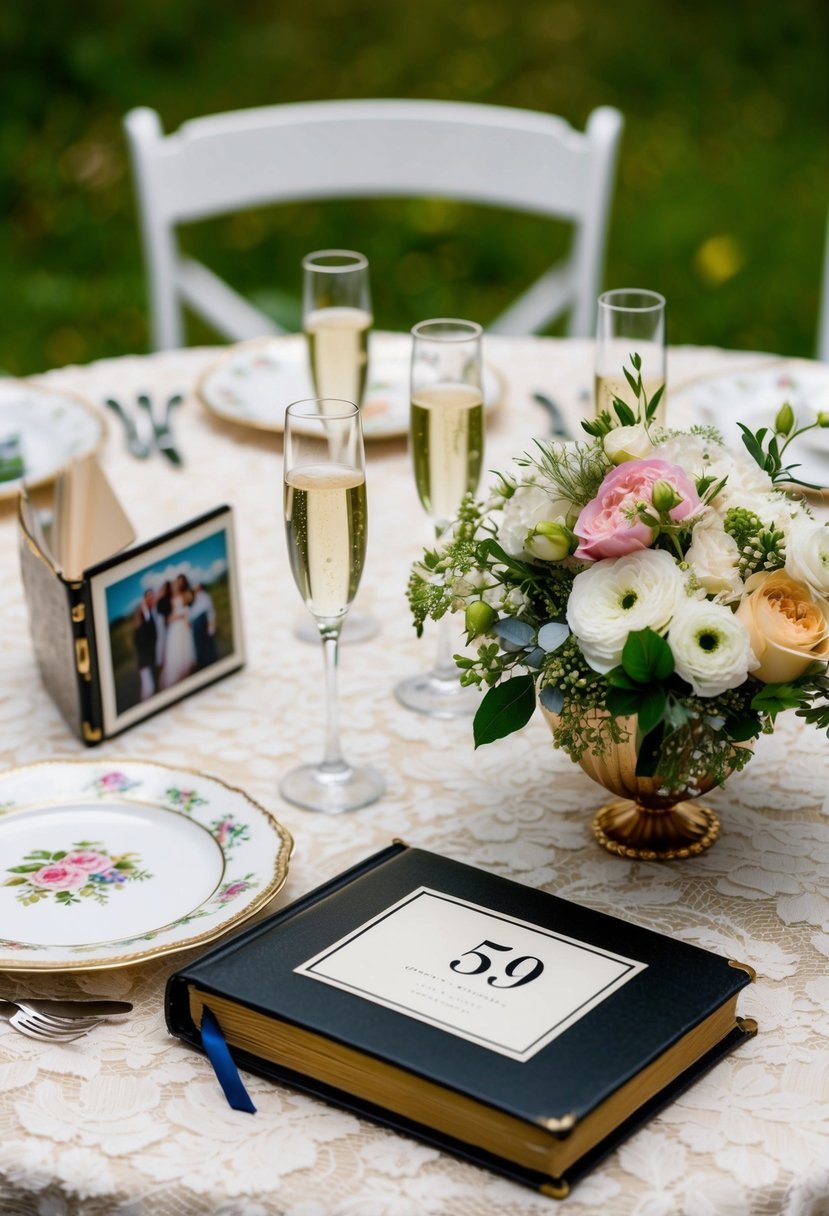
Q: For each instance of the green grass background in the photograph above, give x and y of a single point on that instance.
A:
(722, 191)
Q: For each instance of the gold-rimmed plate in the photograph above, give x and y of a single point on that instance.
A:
(107, 863)
(50, 427)
(754, 397)
(252, 384)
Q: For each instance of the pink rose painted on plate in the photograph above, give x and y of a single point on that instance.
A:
(85, 871)
(610, 526)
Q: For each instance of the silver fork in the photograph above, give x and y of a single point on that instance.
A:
(45, 1026)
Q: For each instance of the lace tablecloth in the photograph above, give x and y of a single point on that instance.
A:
(129, 1121)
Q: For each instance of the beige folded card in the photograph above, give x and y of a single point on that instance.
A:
(122, 630)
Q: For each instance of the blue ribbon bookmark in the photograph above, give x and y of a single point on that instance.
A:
(226, 1071)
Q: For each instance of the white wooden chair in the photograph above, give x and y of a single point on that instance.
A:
(823, 316)
(512, 158)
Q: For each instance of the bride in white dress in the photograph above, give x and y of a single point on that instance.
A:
(179, 650)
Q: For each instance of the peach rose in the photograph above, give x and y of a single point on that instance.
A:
(788, 625)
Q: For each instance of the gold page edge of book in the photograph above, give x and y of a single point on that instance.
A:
(435, 1106)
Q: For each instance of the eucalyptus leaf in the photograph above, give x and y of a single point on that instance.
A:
(552, 635)
(515, 632)
(551, 698)
(505, 708)
(535, 657)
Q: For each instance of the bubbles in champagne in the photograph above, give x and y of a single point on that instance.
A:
(325, 522)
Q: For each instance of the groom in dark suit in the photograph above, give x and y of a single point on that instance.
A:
(146, 635)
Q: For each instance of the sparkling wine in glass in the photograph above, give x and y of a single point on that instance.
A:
(325, 526)
(337, 319)
(630, 321)
(446, 437)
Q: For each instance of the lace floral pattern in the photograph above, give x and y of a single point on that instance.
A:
(129, 1122)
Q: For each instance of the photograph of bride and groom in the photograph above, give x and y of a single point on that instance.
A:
(170, 623)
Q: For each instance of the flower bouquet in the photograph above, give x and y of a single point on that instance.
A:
(660, 596)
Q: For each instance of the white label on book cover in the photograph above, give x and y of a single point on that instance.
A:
(503, 983)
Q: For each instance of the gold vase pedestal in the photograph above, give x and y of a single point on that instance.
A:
(645, 822)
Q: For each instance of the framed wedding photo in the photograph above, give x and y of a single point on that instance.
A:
(166, 619)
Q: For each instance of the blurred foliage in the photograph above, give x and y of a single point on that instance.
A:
(721, 197)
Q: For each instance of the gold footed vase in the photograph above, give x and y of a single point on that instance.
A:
(644, 821)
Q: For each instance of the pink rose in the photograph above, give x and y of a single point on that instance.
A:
(60, 876)
(609, 525)
(92, 863)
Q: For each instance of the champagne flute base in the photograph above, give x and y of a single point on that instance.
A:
(314, 788)
(437, 696)
(357, 627)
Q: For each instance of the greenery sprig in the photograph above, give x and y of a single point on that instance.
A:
(768, 445)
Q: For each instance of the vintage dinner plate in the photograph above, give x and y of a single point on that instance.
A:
(54, 428)
(755, 396)
(108, 863)
(254, 382)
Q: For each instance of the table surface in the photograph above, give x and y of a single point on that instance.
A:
(130, 1121)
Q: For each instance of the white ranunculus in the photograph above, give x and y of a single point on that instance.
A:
(807, 553)
(711, 647)
(627, 443)
(530, 505)
(713, 556)
(618, 595)
(747, 485)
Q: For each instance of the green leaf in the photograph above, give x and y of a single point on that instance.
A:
(633, 381)
(25, 869)
(646, 656)
(636, 360)
(743, 729)
(505, 708)
(15, 882)
(752, 443)
(654, 401)
(491, 548)
(623, 412)
(652, 709)
(649, 749)
(773, 698)
(623, 702)
(617, 677)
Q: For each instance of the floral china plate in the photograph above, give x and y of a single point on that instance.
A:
(48, 428)
(254, 382)
(754, 397)
(105, 864)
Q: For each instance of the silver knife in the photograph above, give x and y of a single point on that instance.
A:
(69, 1009)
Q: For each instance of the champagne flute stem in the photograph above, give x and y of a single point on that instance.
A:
(445, 667)
(332, 761)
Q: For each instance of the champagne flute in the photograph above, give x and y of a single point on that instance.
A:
(447, 446)
(325, 526)
(336, 318)
(630, 321)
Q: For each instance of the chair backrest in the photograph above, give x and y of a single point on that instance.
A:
(823, 316)
(495, 155)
